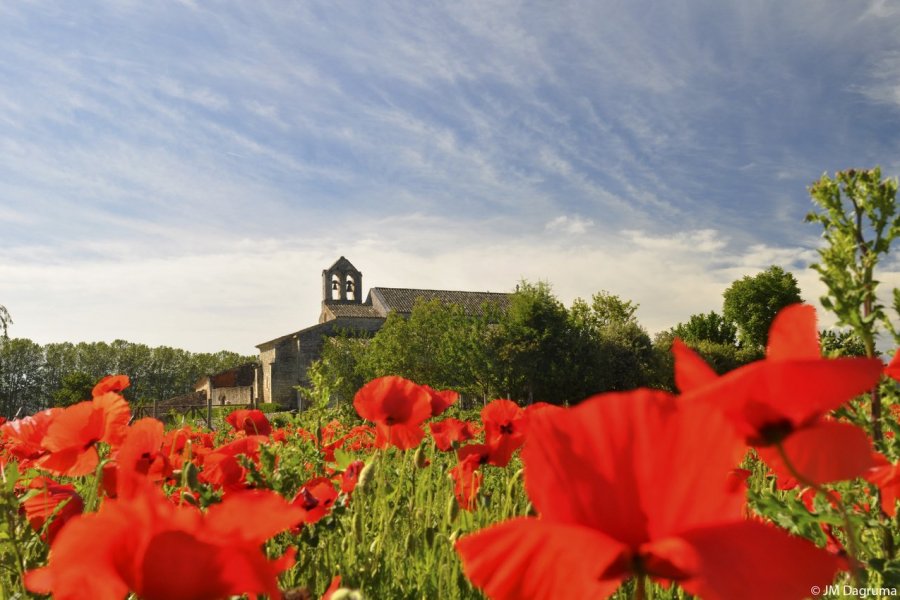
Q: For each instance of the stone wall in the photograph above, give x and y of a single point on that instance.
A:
(232, 395)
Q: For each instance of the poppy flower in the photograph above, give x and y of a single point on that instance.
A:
(886, 476)
(467, 480)
(54, 502)
(161, 551)
(111, 383)
(441, 400)
(334, 586)
(221, 467)
(24, 436)
(450, 431)
(315, 499)
(631, 484)
(398, 407)
(504, 429)
(141, 454)
(780, 404)
(350, 476)
(892, 370)
(251, 422)
(74, 432)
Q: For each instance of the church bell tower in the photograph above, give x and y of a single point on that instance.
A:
(341, 284)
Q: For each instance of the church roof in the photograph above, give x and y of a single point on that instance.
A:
(354, 311)
(402, 300)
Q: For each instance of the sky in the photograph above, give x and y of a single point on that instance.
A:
(180, 173)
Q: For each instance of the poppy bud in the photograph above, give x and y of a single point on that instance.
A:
(356, 525)
(420, 458)
(189, 476)
(452, 509)
(365, 477)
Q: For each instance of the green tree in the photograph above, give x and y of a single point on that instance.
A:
(859, 218)
(22, 385)
(751, 303)
(75, 387)
(611, 350)
(531, 346)
(5, 321)
(710, 327)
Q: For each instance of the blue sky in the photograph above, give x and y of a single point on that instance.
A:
(180, 173)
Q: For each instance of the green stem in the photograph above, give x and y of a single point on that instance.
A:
(640, 591)
(849, 530)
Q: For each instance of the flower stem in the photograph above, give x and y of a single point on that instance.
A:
(834, 499)
(640, 592)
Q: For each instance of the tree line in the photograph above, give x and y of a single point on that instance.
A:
(540, 350)
(34, 377)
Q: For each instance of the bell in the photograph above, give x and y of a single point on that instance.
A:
(349, 286)
(335, 286)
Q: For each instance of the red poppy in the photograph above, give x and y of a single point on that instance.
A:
(334, 586)
(140, 454)
(55, 502)
(450, 431)
(441, 400)
(221, 466)
(398, 407)
(779, 404)
(892, 370)
(24, 436)
(161, 551)
(251, 422)
(467, 480)
(74, 432)
(315, 499)
(350, 476)
(504, 429)
(631, 484)
(886, 477)
(110, 383)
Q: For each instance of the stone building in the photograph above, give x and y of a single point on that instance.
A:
(283, 361)
(232, 386)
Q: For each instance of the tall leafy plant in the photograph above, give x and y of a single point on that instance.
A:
(858, 212)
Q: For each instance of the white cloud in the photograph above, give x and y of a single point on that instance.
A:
(574, 225)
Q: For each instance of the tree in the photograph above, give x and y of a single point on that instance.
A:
(532, 346)
(75, 387)
(22, 385)
(710, 327)
(5, 322)
(611, 351)
(751, 303)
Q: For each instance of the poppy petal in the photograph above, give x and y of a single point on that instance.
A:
(691, 371)
(822, 453)
(793, 334)
(749, 560)
(531, 558)
(271, 514)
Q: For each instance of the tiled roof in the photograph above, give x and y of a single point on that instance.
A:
(354, 311)
(235, 377)
(402, 300)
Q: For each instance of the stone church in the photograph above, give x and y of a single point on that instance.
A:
(283, 361)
